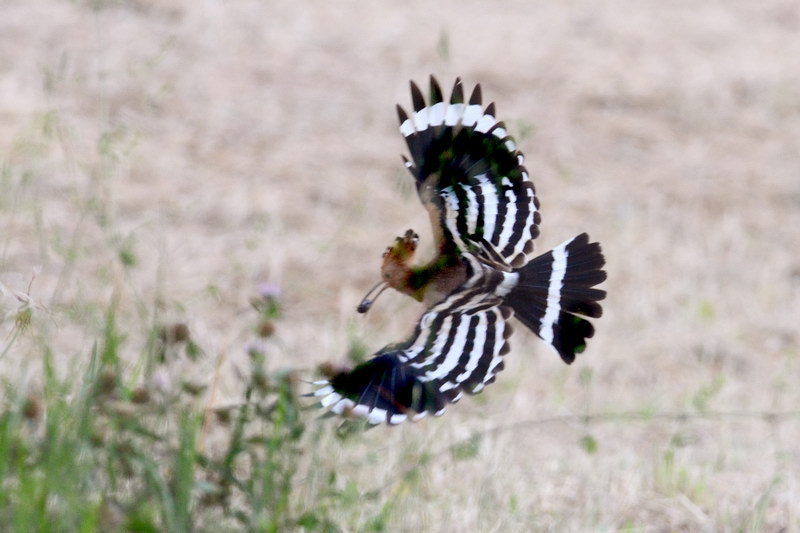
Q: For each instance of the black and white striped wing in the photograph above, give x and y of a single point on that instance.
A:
(469, 171)
(458, 345)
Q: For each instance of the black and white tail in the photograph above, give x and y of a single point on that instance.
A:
(556, 287)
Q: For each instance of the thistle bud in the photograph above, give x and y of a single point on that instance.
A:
(174, 333)
(140, 395)
(32, 408)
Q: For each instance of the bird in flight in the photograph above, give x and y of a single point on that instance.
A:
(484, 212)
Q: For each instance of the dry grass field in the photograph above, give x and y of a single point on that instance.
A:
(173, 156)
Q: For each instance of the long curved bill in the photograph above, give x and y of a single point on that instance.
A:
(371, 296)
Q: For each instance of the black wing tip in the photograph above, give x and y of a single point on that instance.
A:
(401, 114)
(457, 95)
(416, 97)
(476, 97)
(386, 383)
(436, 91)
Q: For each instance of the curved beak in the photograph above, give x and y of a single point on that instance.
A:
(371, 296)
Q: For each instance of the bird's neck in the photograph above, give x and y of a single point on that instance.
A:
(432, 281)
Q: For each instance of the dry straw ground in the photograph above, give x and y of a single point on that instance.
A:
(219, 145)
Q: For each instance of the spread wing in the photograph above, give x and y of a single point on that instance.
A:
(458, 345)
(470, 176)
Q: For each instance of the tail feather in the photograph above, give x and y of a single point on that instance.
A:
(556, 287)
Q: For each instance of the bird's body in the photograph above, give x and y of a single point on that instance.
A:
(484, 214)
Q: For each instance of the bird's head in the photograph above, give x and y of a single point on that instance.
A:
(395, 270)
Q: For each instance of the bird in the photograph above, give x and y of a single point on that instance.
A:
(471, 179)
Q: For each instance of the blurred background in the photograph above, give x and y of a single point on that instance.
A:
(178, 157)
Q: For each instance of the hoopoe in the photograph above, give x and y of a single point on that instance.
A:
(485, 215)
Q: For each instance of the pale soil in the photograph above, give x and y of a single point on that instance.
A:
(233, 143)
